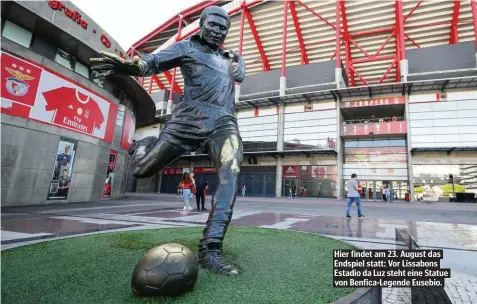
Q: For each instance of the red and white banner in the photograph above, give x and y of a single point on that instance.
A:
(128, 131)
(204, 170)
(391, 127)
(34, 92)
(172, 171)
(385, 101)
(291, 171)
(376, 155)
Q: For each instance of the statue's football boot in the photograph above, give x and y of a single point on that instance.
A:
(211, 257)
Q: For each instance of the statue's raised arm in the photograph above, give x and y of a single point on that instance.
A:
(145, 65)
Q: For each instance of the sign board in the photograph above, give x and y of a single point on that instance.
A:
(172, 171)
(34, 92)
(291, 171)
(384, 101)
(376, 128)
(204, 170)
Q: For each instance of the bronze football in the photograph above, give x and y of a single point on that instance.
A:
(166, 270)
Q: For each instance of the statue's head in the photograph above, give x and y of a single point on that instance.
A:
(214, 25)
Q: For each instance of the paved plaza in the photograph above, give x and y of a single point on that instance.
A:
(451, 227)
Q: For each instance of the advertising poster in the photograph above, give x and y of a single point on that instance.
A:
(108, 183)
(128, 131)
(34, 92)
(62, 170)
(392, 127)
(376, 155)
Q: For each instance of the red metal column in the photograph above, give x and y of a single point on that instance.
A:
(171, 93)
(454, 33)
(284, 47)
(299, 36)
(338, 35)
(158, 82)
(400, 42)
(474, 18)
(149, 90)
(400, 36)
(397, 56)
(242, 25)
(350, 71)
(258, 42)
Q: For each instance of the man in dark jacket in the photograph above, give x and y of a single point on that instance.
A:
(204, 119)
(200, 195)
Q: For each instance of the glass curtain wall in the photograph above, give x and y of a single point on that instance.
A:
(259, 133)
(443, 124)
(310, 181)
(310, 130)
(380, 164)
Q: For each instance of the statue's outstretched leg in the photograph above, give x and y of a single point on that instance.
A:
(226, 154)
(150, 155)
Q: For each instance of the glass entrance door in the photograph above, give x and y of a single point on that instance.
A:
(294, 183)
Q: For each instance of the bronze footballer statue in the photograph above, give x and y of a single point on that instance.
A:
(204, 119)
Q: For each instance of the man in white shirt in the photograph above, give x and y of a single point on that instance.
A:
(353, 195)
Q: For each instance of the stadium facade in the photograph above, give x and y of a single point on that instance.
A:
(64, 135)
(384, 89)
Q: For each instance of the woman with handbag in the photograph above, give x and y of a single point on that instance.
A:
(193, 187)
(186, 192)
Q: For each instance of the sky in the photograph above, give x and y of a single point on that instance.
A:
(131, 20)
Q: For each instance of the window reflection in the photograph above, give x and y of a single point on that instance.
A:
(310, 130)
(432, 182)
(444, 124)
(376, 151)
(17, 34)
(310, 181)
(259, 133)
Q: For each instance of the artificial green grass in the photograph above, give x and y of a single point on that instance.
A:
(277, 267)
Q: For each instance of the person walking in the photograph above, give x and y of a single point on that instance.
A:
(388, 194)
(186, 192)
(353, 195)
(244, 190)
(200, 195)
(193, 187)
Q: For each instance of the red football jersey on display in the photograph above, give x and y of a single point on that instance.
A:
(74, 109)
